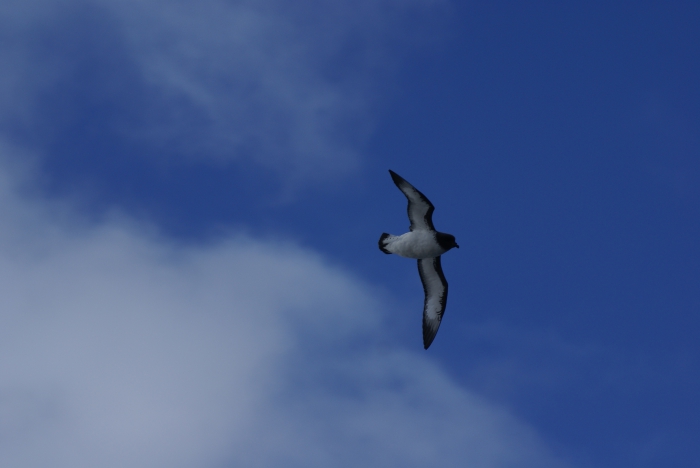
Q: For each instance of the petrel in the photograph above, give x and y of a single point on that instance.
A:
(426, 244)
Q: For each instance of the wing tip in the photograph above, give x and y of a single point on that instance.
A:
(428, 336)
(396, 178)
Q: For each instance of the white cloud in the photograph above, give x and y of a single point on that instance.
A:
(121, 348)
(287, 85)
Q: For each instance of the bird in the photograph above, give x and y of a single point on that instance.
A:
(426, 244)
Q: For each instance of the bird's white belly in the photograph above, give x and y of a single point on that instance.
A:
(416, 244)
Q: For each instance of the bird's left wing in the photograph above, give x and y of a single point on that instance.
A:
(435, 287)
(420, 210)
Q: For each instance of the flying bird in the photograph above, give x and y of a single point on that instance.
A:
(427, 245)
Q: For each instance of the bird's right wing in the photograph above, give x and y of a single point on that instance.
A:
(420, 210)
(435, 287)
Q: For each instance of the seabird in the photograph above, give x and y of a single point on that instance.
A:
(426, 244)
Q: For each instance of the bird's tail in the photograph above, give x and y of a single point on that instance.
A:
(383, 241)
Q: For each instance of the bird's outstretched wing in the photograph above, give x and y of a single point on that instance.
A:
(435, 287)
(420, 210)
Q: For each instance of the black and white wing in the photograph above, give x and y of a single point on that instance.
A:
(435, 287)
(420, 210)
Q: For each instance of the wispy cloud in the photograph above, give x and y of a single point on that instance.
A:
(285, 85)
(120, 348)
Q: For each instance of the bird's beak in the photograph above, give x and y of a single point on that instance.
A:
(456, 245)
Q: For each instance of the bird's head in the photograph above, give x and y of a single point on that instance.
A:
(446, 241)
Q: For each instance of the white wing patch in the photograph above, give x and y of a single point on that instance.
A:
(435, 287)
(420, 210)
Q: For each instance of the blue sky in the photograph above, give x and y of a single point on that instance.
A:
(191, 195)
